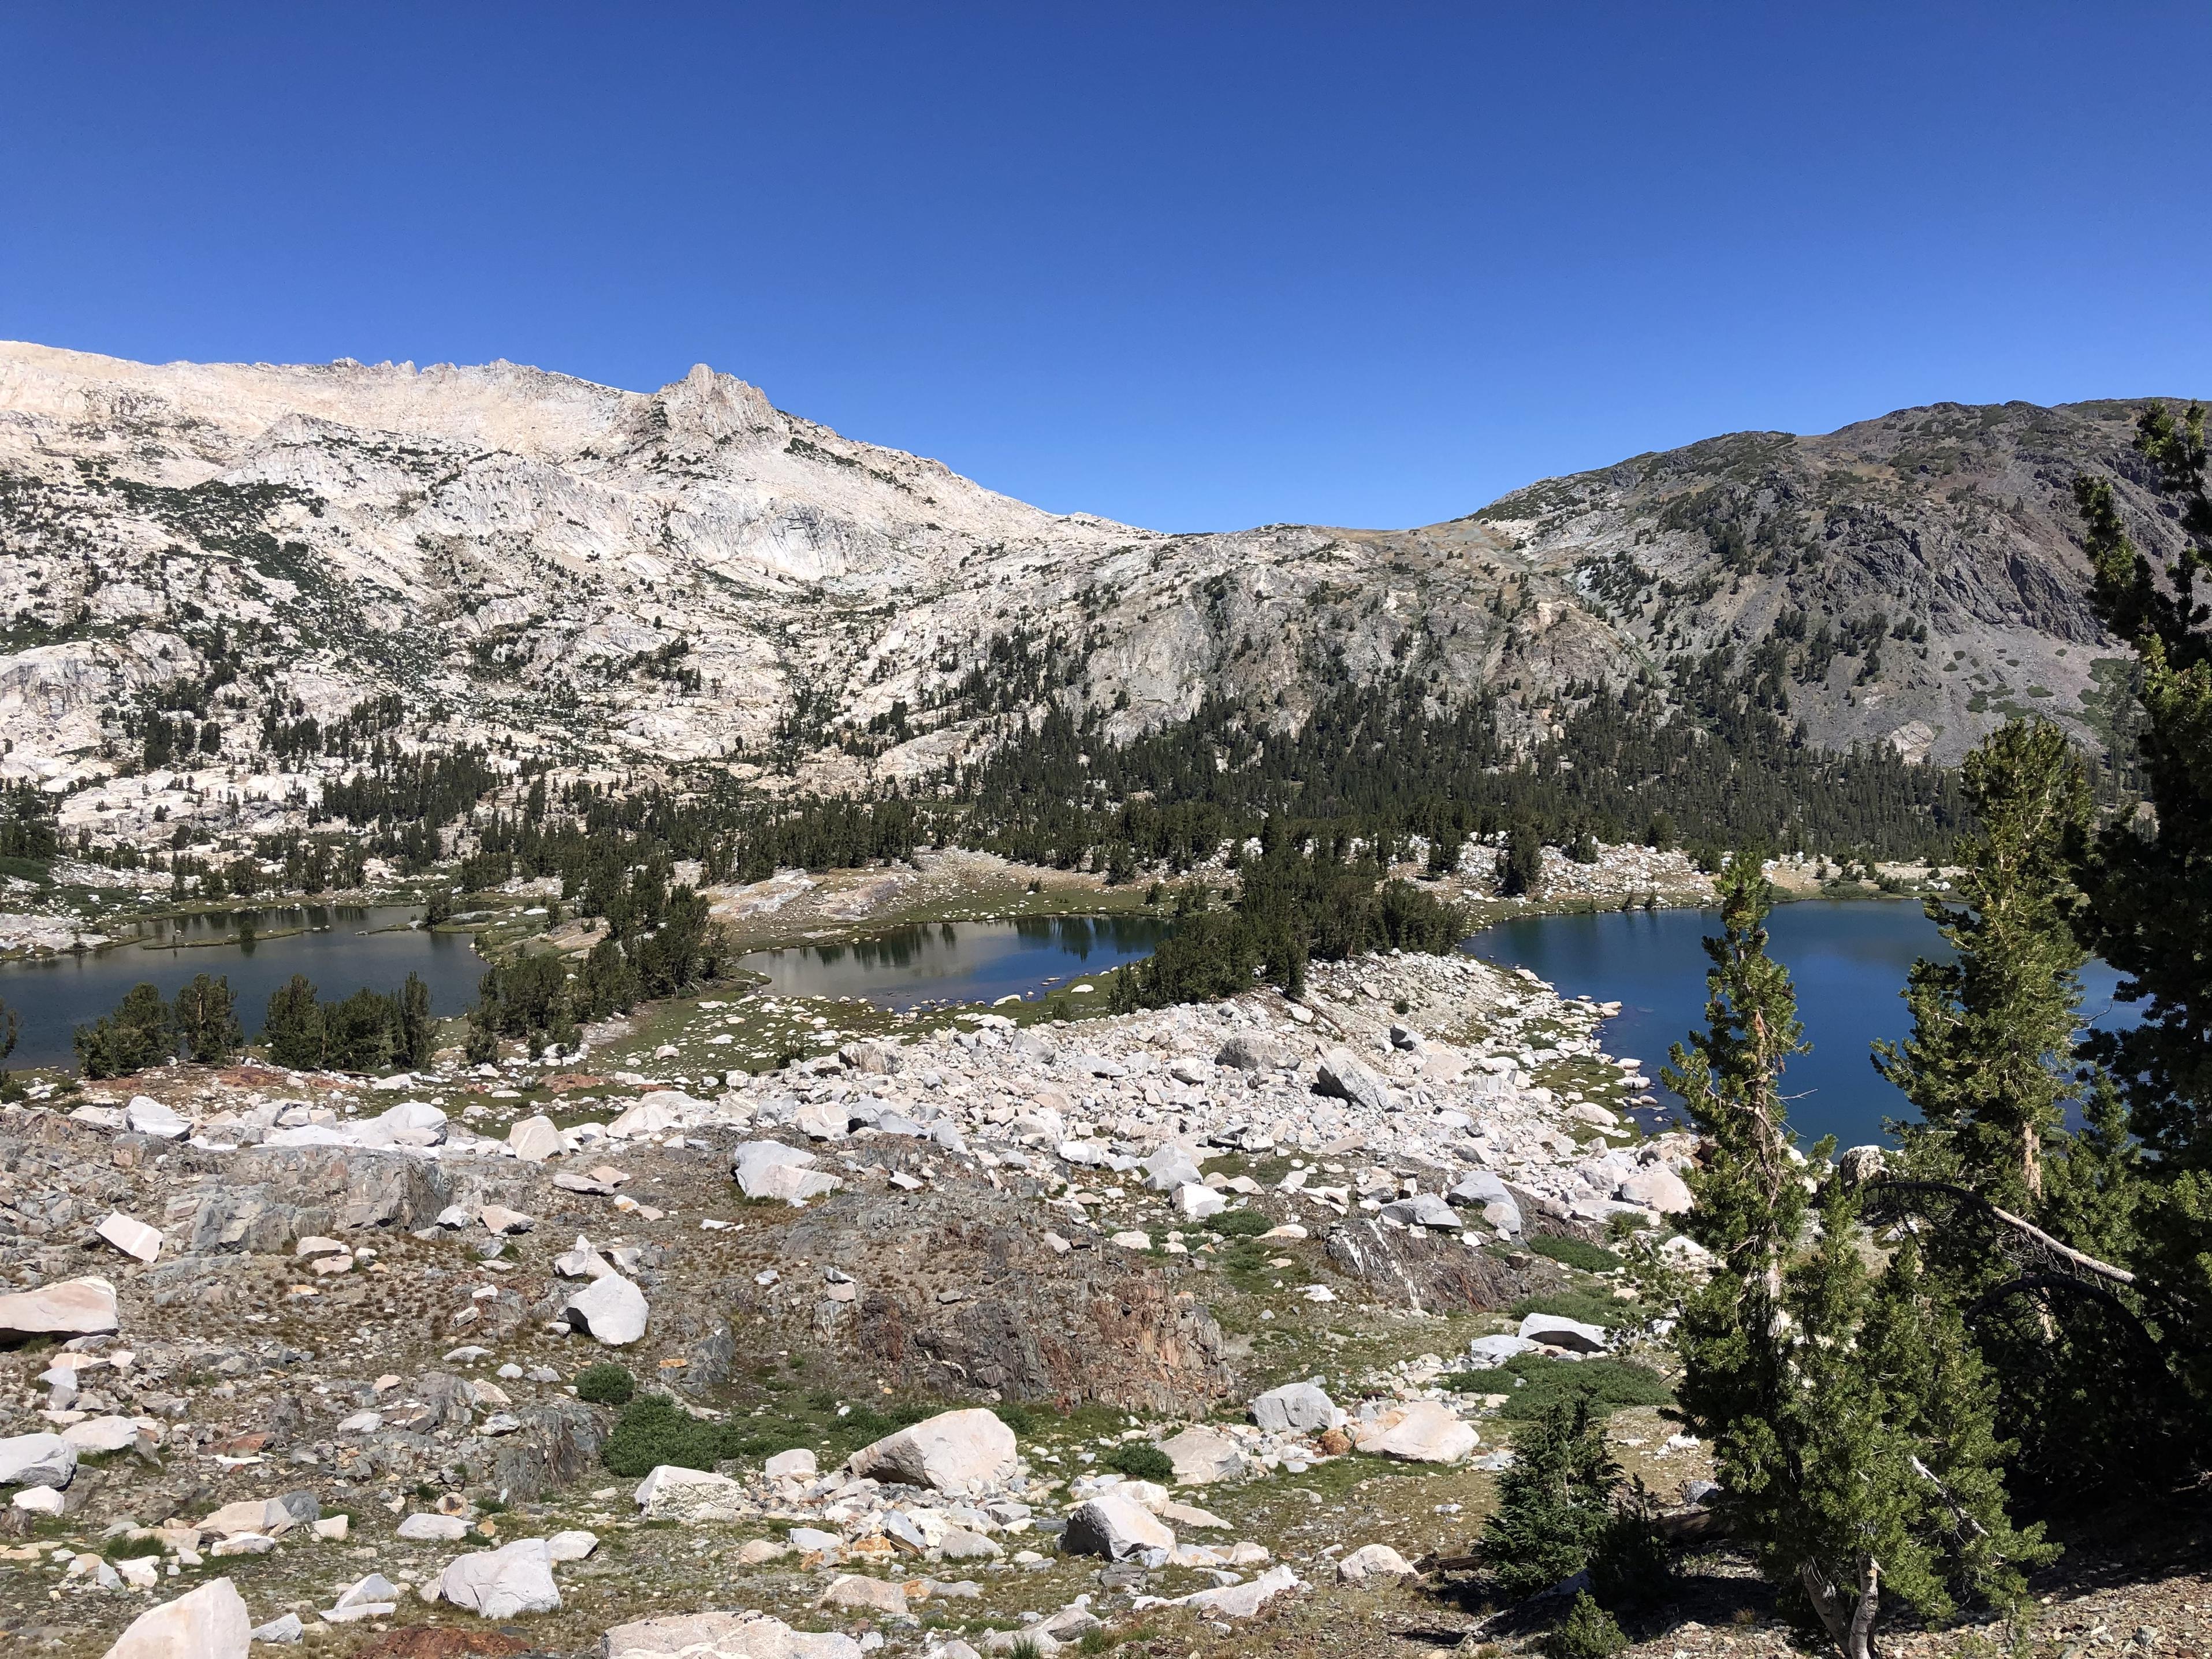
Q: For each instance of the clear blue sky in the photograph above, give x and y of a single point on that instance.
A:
(1190, 265)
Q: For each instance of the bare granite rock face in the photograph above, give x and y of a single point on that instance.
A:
(571, 530)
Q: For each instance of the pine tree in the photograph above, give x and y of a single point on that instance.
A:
(1554, 1500)
(2149, 887)
(293, 1027)
(1987, 1062)
(1848, 1417)
(207, 1020)
(1521, 872)
(417, 1037)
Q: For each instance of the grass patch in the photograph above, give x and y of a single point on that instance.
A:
(1533, 1382)
(1239, 1223)
(1574, 1253)
(813, 1422)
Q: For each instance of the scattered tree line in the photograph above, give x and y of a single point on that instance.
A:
(1294, 906)
(368, 1031)
(650, 950)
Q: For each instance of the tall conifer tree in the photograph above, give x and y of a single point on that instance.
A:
(1849, 1416)
(2149, 884)
(1988, 1063)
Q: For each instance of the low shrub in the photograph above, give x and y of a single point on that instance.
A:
(1533, 1382)
(605, 1384)
(1140, 1461)
(653, 1430)
(1022, 1419)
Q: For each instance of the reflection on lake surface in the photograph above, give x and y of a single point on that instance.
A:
(1849, 961)
(334, 946)
(959, 961)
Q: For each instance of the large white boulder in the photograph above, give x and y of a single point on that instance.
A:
(1423, 1210)
(534, 1139)
(411, 1123)
(612, 1309)
(723, 1636)
(1115, 1527)
(502, 1583)
(37, 1460)
(424, 1528)
(103, 1434)
(1195, 1202)
(956, 1452)
(210, 1623)
(1170, 1166)
(1655, 1186)
(1300, 1405)
(1419, 1431)
(146, 1115)
(859, 1593)
(768, 1169)
(1239, 1600)
(1488, 1352)
(76, 1307)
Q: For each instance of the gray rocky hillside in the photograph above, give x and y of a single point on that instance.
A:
(623, 580)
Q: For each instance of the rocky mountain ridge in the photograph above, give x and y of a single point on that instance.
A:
(627, 581)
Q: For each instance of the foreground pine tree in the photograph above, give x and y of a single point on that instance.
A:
(1988, 1064)
(1848, 1415)
(2150, 886)
(1554, 1500)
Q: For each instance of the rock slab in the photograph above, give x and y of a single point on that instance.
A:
(76, 1307)
(210, 1623)
(723, 1636)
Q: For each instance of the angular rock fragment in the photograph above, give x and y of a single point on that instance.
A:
(723, 1636)
(131, 1236)
(502, 1583)
(1115, 1526)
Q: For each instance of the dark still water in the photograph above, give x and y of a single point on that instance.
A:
(339, 952)
(960, 961)
(1848, 959)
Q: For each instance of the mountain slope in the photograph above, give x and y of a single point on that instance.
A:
(623, 580)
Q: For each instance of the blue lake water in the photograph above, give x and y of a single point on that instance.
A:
(960, 961)
(340, 952)
(1848, 958)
